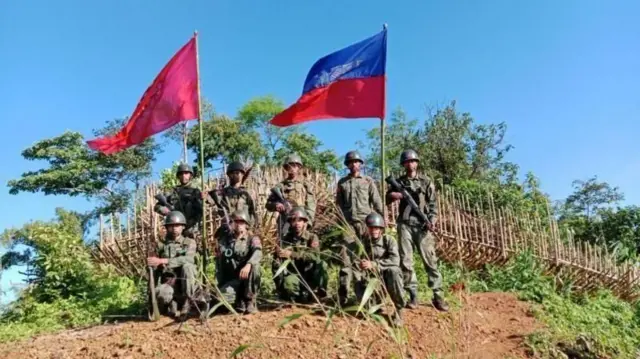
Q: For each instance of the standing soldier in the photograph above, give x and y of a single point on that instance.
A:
(238, 267)
(412, 232)
(303, 248)
(356, 196)
(296, 192)
(184, 198)
(379, 254)
(234, 197)
(175, 266)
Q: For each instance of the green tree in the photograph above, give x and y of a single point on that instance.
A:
(75, 170)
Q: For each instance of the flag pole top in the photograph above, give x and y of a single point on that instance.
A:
(195, 33)
(384, 26)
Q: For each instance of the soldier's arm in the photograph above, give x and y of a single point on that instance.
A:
(392, 255)
(374, 197)
(189, 257)
(339, 195)
(387, 197)
(160, 209)
(431, 207)
(256, 251)
(310, 252)
(251, 206)
(310, 202)
(272, 200)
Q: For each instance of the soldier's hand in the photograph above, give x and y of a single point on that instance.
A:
(280, 207)
(244, 272)
(284, 253)
(165, 210)
(429, 227)
(396, 196)
(365, 264)
(155, 261)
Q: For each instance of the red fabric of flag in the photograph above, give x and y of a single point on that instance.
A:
(171, 98)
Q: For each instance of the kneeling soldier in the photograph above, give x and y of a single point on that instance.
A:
(380, 255)
(238, 265)
(175, 266)
(302, 247)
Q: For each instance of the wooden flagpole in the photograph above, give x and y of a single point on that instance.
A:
(200, 123)
(382, 156)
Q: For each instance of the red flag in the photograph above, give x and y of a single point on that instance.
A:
(171, 98)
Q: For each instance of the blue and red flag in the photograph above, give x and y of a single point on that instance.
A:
(349, 83)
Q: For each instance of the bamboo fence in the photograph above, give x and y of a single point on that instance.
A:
(473, 235)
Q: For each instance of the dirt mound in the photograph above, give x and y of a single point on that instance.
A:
(488, 325)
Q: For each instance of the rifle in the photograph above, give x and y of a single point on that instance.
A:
(280, 197)
(218, 202)
(163, 201)
(413, 206)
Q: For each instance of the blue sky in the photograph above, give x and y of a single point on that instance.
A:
(562, 74)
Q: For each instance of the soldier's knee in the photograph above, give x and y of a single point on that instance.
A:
(394, 271)
(164, 293)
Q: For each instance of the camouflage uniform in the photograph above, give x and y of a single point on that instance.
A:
(178, 277)
(298, 192)
(357, 197)
(383, 252)
(235, 253)
(306, 258)
(411, 232)
(186, 199)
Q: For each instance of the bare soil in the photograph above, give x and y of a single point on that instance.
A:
(486, 325)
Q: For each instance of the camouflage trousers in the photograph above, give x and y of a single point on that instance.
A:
(176, 284)
(291, 286)
(424, 242)
(235, 290)
(345, 273)
(392, 279)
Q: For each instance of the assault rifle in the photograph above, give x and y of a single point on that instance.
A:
(413, 206)
(282, 218)
(225, 214)
(163, 201)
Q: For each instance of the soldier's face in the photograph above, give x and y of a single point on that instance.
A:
(411, 165)
(235, 176)
(239, 227)
(175, 230)
(184, 177)
(375, 232)
(354, 166)
(298, 224)
(292, 169)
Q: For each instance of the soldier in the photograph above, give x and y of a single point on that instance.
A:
(238, 265)
(296, 192)
(412, 232)
(184, 198)
(175, 266)
(303, 248)
(356, 196)
(379, 254)
(234, 197)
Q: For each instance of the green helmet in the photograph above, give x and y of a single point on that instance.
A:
(183, 167)
(292, 158)
(175, 217)
(408, 155)
(235, 166)
(298, 212)
(374, 220)
(240, 215)
(352, 156)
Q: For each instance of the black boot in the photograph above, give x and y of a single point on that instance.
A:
(413, 299)
(397, 318)
(343, 296)
(251, 306)
(440, 304)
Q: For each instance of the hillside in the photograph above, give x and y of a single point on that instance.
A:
(487, 325)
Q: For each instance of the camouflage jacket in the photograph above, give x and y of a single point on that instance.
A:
(238, 199)
(297, 193)
(186, 199)
(305, 247)
(383, 252)
(235, 253)
(423, 192)
(357, 197)
(179, 251)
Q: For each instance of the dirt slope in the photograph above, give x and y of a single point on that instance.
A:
(489, 325)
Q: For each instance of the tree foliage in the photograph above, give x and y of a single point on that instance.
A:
(75, 170)
(251, 139)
